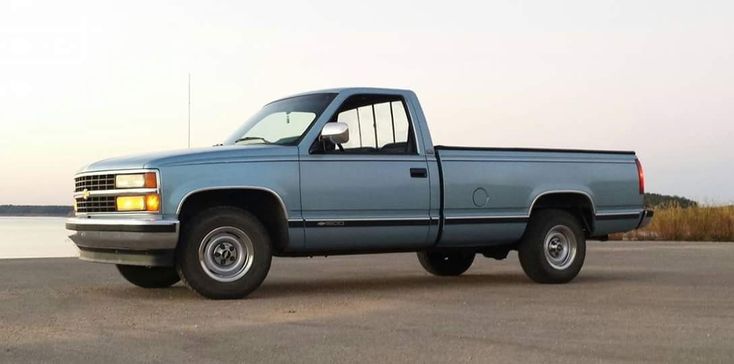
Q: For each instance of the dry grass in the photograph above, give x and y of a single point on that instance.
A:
(703, 223)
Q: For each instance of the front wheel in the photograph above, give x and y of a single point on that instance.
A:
(224, 253)
(449, 262)
(149, 277)
(553, 247)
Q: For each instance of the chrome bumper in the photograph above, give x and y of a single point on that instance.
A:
(646, 218)
(125, 241)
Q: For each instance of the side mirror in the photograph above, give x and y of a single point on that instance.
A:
(337, 133)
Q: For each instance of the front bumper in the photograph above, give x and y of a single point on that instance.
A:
(645, 218)
(125, 241)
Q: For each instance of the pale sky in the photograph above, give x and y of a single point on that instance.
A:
(85, 80)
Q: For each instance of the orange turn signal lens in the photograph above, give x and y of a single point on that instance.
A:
(152, 202)
(150, 180)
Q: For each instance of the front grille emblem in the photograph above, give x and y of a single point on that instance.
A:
(85, 194)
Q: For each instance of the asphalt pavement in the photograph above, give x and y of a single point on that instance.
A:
(632, 302)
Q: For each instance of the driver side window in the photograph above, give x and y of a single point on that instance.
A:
(377, 124)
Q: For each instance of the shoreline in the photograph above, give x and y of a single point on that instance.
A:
(33, 215)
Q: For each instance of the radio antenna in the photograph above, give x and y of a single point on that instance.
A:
(189, 142)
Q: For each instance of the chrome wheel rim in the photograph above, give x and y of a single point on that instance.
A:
(560, 247)
(226, 254)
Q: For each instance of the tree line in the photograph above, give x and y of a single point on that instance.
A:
(35, 210)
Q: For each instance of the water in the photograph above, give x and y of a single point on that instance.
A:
(35, 237)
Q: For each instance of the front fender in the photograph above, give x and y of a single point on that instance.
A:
(280, 178)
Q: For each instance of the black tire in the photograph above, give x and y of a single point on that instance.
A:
(446, 262)
(229, 225)
(149, 277)
(541, 250)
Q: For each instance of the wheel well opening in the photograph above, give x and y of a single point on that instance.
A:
(263, 204)
(577, 204)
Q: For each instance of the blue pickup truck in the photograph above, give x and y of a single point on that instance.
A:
(347, 171)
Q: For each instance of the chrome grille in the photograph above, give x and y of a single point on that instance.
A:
(95, 182)
(96, 204)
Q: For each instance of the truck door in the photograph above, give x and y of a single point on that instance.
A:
(373, 191)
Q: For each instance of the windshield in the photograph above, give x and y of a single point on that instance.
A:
(282, 122)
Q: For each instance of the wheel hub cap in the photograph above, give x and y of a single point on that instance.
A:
(226, 254)
(560, 247)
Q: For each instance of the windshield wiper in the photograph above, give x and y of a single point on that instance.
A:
(252, 138)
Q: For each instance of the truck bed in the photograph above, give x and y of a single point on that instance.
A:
(491, 191)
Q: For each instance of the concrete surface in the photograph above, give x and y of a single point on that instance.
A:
(664, 302)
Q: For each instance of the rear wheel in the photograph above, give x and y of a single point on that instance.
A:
(224, 253)
(553, 248)
(149, 277)
(448, 262)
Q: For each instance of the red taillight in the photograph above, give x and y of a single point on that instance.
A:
(641, 176)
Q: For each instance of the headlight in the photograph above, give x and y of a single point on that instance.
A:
(150, 202)
(139, 180)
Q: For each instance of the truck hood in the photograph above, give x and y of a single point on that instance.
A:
(219, 154)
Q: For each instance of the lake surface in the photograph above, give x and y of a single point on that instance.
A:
(35, 237)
